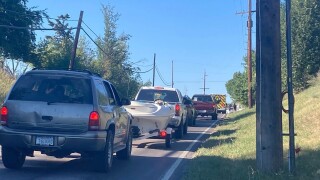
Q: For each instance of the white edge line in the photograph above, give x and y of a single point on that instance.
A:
(174, 166)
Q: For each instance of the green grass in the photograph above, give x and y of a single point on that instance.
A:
(230, 152)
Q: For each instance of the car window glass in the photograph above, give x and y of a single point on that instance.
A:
(111, 98)
(153, 94)
(101, 93)
(50, 88)
(202, 98)
(117, 98)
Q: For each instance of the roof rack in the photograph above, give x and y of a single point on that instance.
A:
(67, 69)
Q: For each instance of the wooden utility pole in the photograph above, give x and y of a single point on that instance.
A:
(154, 68)
(269, 145)
(249, 52)
(249, 24)
(75, 43)
(204, 83)
(172, 75)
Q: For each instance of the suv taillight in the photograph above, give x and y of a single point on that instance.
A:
(4, 115)
(177, 109)
(94, 120)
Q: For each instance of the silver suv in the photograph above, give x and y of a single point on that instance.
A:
(59, 112)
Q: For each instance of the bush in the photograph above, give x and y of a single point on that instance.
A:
(6, 81)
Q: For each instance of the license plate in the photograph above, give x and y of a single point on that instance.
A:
(44, 140)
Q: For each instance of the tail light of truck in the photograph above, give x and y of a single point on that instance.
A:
(4, 115)
(94, 120)
(177, 109)
(163, 133)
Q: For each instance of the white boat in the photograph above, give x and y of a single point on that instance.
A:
(149, 117)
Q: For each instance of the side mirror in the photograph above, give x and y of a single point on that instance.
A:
(125, 101)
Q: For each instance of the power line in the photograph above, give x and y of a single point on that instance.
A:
(198, 81)
(106, 53)
(33, 15)
(164, 82)
(100, 39)
(144, 71)
(94, 41)
(30, 28)
(91, 30)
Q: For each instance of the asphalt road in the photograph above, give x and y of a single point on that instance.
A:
(150, 160)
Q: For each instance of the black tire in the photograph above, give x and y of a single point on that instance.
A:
(179, 132)
(168, 141)
(125, 154)
(105, 159)
(189, 120)
(12, 158)
(194, 121)
(185, 128)
(214, 116)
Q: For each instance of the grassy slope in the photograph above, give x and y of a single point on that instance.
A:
(230, 152)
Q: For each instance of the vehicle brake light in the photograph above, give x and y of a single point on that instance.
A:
(158, 87)
(94, 120)
(177, 109)
(163, 133)
(4, 115)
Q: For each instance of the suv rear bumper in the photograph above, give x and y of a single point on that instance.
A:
(205, 112)
(88, 141)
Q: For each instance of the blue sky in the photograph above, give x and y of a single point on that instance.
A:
(198, 36)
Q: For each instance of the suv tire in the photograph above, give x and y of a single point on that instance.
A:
(179, 131)
(168, 141)
(12, 158)
(194, 122)
(214, 116)
(185, 128)
(126, 152)
(105, 158)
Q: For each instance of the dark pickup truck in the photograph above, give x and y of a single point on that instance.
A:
(204, 105)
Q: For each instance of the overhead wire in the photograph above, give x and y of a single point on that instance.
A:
(91, 30)
(145, 71)
(31, 28)
(94, 41)
(105, 52)
(32, 15)
(161, 78)
(132, 63)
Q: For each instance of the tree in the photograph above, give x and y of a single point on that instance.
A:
(113, 56)
(85, 55)
(17, 38)
(305, 42)
(55, 51)
(15, 68)
(237, 88)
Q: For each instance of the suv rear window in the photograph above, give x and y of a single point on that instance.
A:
(153, 94)
(60, 89)
(202, 98)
